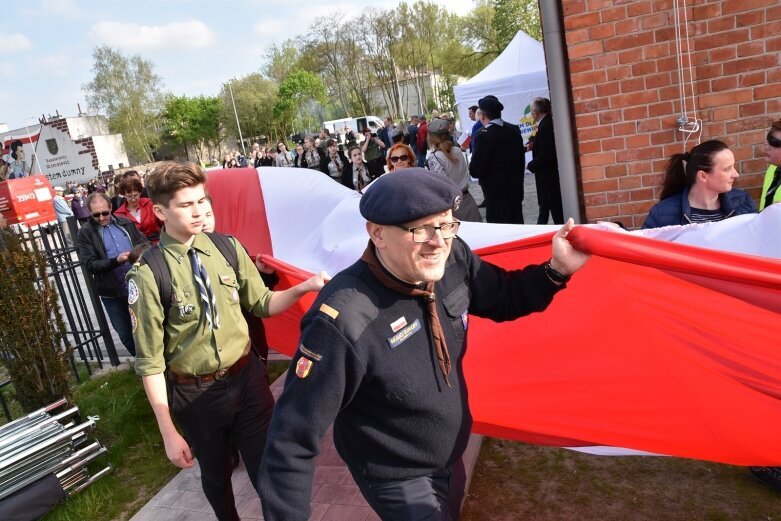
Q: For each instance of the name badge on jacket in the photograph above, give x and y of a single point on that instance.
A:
(397, 339)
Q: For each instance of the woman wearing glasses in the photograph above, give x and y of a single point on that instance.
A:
(138, 209)
(448, 160)
(698, 187)
(400, 156)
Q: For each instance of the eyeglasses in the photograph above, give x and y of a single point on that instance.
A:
(396, 159)
(773, 141)
(426, 233)
(98, 215)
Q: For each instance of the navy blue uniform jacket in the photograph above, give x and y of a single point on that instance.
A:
(675, 210)
(375, 376)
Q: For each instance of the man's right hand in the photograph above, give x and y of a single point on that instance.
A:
(178, 451)
(122, 257)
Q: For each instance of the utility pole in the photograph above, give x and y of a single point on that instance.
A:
(230, 89)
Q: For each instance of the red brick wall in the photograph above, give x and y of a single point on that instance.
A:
(625, 89)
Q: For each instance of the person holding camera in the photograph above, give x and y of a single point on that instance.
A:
(372, 149)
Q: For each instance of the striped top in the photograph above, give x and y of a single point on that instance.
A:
(707, 216)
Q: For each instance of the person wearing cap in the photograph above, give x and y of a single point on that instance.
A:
(447, 159)
(498, 163)
(397, 135)
(380, 356)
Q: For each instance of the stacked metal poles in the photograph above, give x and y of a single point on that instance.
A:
(40, 444)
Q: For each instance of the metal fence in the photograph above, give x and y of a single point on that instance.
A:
(87, 330)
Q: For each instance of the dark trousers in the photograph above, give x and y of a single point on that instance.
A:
(549, 197)
(436, 497)
(118, 314)
(217, 415)
(503, 211)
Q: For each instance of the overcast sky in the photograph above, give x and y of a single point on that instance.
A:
(196, 45)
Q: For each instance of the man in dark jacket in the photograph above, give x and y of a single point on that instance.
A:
(364, 361)
(498, 162)
(104, 244)
(544, 164)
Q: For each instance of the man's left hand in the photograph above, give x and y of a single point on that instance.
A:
(565, 258)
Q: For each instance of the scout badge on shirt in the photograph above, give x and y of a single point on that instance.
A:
(132, 292)
(398, 324)
(303, 366)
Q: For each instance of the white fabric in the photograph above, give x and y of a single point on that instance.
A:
(516, 77)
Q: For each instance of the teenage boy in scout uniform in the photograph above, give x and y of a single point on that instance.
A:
(195, 362)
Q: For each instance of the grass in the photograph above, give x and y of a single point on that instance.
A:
(127, 427)
(514, 481)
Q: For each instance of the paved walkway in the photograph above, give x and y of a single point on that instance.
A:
(335, 496)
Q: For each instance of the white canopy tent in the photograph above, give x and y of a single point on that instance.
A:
(516, 77)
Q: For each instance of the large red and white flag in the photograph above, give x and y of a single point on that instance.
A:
(666, 342)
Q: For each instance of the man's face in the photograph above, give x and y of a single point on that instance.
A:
(412, 261)
(388, 123)
(535, 114)
(472, 114)
(308, 143)
(102, 209)
(185, 214)
(773, 154)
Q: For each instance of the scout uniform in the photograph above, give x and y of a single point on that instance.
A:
(218, 393)
(368, 362)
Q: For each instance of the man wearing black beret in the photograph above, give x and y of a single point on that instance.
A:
(381, 354)
(498, 162)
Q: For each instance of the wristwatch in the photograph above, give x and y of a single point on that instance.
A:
(555, 275)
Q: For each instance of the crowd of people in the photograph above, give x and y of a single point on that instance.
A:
(396, 398)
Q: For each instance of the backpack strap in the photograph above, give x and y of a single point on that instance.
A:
(226, 246)
(153, 257)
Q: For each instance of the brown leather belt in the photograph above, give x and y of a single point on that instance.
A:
(220, 374)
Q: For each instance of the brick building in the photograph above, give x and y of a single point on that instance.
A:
(626, 74)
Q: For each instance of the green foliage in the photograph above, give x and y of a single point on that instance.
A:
(193, 122)
(255, 97)
(511, 16)
(296, 89)
(281, 61)
(128, 91)
(31, 328)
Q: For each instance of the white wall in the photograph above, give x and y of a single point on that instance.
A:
(110, 150)
(86, 126)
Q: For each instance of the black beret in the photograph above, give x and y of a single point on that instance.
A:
(490, 104)
(408, 194)
(438, 126)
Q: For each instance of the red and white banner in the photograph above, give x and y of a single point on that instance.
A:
(664, 346)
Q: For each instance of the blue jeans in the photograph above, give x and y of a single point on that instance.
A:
(118, 314)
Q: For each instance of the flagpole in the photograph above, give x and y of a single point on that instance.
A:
(35, 148)
(230, 89)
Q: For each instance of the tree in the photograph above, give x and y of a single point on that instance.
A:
(296, 90)
(255, 97)
(281, 61)
(511, 16)
(129, 92)
(193, 122)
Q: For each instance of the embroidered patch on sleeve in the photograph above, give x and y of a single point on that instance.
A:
(328, 310)
(397, 339)
(132, 292)
(303, 367)
(133, 321)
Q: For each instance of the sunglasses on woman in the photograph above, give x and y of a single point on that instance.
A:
(773, 141)
(396, 159)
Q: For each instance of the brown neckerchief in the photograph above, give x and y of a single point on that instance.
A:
(443, 356)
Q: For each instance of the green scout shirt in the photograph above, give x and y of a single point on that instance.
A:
(186, 345)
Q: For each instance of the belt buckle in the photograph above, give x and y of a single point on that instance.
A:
(220, 374)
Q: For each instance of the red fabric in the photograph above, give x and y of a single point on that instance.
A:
(653, 346)
(149, 226)
(422, 137)
(239, 188)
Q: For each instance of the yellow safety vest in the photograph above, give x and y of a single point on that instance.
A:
(769, 175)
